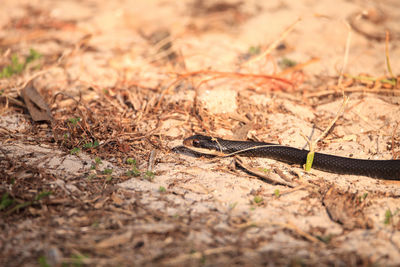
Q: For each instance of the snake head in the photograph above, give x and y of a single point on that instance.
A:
(201, 141)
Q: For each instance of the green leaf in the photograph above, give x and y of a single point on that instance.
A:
(309, 161)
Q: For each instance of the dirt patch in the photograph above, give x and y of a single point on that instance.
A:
(127, 81)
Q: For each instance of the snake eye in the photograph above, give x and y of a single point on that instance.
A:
(196, 143)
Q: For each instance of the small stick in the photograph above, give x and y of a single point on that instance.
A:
(275, 43)
(387, 55)
(152, 159)
(313, 144)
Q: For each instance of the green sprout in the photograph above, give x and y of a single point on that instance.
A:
(285, 63)
(74, 121)
(388, 216)
(78, 259)
(258, 199)
(162, 189)
(37, 198)
(6, 201)
(254, 50)
(97, 160)
(43, 262)
(33, 55)
(277, 193)
(16, 67)
(133, 172)
(326, 238)
(108, 171)
(91, 144)
(75, 151)
(363, 197)
(131, 161)
(264, 170)
(149, 175)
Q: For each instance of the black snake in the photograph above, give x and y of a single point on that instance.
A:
(383, 169)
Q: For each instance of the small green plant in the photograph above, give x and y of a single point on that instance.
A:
(257, 199)
(285, 63)
(22, 205)
(149, 175)
(162, 189)
(233, 205)
(43, 262)
(6, 201)
(97, 160)
(16, 67)
(131, 161)
(388, 216)
(74, 121)
(91, 144)
(264, 170)
(363, 197)
(42, 195)
(254, 50)
(325, 238)
(79, 259)
(133, 172)
(33, 55)
(75, 151)
(92, 176)
(277, 193)
(108, 171)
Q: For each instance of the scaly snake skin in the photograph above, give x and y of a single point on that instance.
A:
(383, 169)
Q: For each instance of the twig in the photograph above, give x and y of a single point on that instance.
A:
(313, 144)
(394, 133)
(198, 255)
(352, 90)
(152, 159)
(346, 55)
(287, 225)
(387, 55)
(274, 44)
(268, 178)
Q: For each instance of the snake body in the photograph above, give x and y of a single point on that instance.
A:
(383, 169)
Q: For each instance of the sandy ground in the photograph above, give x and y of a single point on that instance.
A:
(143, 75)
